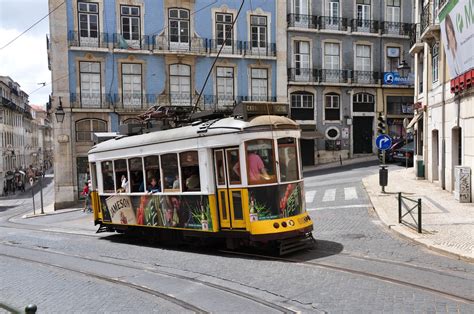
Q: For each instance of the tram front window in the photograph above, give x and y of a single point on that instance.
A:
(169, 164)
(260, 162)
(288, 160)
(108, 177)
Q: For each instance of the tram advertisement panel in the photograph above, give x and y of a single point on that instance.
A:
(264, 205)
(189, 211)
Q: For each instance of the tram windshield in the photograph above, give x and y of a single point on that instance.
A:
(288, 161)
(260, 162)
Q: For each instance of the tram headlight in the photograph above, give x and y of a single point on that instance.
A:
(291, 223)
(276, 225)
(283, 224)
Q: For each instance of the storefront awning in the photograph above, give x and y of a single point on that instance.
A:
(310, 135)
(415, 119)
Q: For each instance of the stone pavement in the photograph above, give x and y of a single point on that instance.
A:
(447, 225)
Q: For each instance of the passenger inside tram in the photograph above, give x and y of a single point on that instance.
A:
(154, 186)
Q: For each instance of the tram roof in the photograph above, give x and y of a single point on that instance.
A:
(208, 128)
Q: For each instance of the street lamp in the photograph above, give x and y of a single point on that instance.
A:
(60, 112)
(403, 66)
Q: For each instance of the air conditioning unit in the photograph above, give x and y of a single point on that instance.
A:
(462, 184)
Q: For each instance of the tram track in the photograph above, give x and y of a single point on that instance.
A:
(334, 267)
(167, 297)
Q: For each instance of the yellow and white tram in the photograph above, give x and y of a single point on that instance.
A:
(226, 179)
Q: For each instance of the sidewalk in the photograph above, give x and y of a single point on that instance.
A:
(49, 210)
(448, 226)
(345, 162)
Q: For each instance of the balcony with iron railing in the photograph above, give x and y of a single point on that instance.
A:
(231, 47)
(302, 20)
(259, 48)
(365, 77)
(416, 45)
(397, 28)
(193, 45)
(306, 75)
(365, 26)
(333, 76)
(97, 40)
(135, 43)
(333, 23)
(429, 26)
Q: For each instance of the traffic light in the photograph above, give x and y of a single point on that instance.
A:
(382, 125)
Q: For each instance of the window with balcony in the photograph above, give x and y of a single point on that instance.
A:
(363, 15)
(392, 11)
(363, 58)
(434, 62)
(332, 110)
(180, 84)
(130, 23)
(332, 63)
(179, 26)
(224, 29)
(302, 106)
(88, 16)
(301, 7)
(90, 84)
(259, 81)
(225, 85)
(85, 129)
(132, 85)
(302, 59)
(258, 31)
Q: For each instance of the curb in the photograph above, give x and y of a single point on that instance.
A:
(61, 211)
(336, 164)
(401, 232)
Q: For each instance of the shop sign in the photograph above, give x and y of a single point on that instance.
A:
(394, 78)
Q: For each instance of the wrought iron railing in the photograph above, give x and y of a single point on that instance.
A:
(397, 28)
(91, 100)
(302, 75)
(302, 20)
(192, 45)
(139, 43)
(233, 47)
(101, 40)
(367, 77)
(415, 36)
(333, 76)
(259, 48)
(426, 17)
(365, 26)
(333, 23)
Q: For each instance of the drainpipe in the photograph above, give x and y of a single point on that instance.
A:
(443, 120)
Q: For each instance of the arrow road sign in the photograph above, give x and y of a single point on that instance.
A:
(383, 142)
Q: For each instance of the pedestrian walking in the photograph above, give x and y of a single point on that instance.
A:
(86, 194)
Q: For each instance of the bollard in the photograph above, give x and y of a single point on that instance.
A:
(399, 207)
(419, 215)
(383, 177)
(31, 309)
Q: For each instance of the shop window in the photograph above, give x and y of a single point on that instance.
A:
(152, 172)
(136, 175)
(288, 161)
(121, 176)
(108, 177)
(189, 164)
(260, 162)
(169, 165)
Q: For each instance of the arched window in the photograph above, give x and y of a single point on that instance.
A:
(87, 127)
(332, 108)
(363, 102)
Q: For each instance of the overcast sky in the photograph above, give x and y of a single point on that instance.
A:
(25, 60)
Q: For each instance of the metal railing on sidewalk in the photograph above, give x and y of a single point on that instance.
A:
(409, 210)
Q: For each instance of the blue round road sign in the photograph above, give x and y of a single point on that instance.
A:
(383, 142)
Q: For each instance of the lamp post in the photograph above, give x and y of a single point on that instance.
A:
(60, 112)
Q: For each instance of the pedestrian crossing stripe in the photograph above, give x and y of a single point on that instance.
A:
(310, 196)
(350, 193)
(329, 195)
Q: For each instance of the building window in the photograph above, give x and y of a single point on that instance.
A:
(258, 31)
(179, 26)
(363, 10)
(302, 106)
(392, 11)
(259, 81)
(180, 83)
(332, 111)
(399, 105)
(225, 84)
(85, 129)
(224, 28)
(90, 84)
(130, 18)
(363, 58)
(88, 23)
(333, 12)
(435, 62)
(302, 58)
(132, 84)
(393, 59)
(363, 102)
(331, 56)
(301, 7)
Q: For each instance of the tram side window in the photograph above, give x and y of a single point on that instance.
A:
(288, 159)
(137, 183)
(152, 170)
(121, 176)
(93, 176)
(219, 157)
(260, 162)
(189, 163)
(108, 177)
(169, 165)
(233, 166)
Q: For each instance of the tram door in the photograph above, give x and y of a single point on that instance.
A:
(229, 192)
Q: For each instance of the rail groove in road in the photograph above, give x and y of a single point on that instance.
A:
(172, 299)
(451, 296)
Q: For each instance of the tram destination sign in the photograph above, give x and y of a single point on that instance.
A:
(265, 108)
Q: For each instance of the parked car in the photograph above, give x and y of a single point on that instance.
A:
(405, 153)
(391, 150)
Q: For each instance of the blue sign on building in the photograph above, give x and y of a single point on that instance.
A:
(394, 78)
